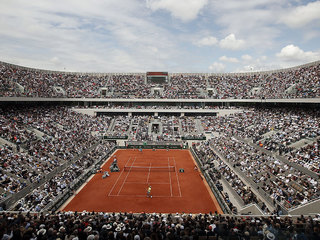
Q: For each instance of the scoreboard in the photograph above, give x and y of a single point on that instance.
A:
(157, 77)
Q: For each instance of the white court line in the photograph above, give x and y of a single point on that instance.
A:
(126, 176)
(175, 167)
(118, 178)
(170, 176)
(149, 174)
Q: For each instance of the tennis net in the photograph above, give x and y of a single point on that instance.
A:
(149, 169)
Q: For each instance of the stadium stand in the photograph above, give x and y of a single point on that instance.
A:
(299, 82)
(91, 225)
(258, 158)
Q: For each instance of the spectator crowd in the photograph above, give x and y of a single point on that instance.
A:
(298, 82)
(252, 150)
(147, 226)
(41, 139)
(37, 140)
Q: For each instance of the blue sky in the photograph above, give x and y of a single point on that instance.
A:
(159, 35)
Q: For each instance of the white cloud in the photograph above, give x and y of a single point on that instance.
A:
(129, 36)
(228, 59)
(230, 42)
(207, 41)
(185, 10)
(247, 68)
(253, 19)
(257, 67)
(217, 67)
(263, 58)
(246, 57)
(251, 64)
(291, 53)
(235, 5)
(84, 36)
(302, 15)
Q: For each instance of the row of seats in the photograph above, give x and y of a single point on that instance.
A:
(168, 128)
(127, 226)
(274, 129)
(52, 136)
(45, 194)
(270, 174)
(299, 82)
(36, 140)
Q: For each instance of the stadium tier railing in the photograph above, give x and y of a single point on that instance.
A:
(312, 206)
(289, 208)
(234, 193)
(60, 200)
(11, 200)
(281, 158)
(215, 191)
(262, 194)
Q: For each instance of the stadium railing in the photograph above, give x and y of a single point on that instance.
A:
(54, 206)
(262, 194)
(10, 201)
(215, 191)
(231, 189)
(288, 208)
(311, 206)
(282, 159)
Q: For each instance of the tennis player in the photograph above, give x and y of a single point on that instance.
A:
(149, 192)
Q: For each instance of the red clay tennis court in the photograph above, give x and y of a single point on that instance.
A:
(126, 191)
